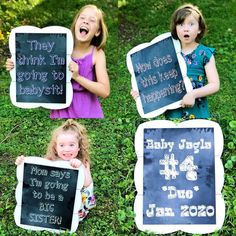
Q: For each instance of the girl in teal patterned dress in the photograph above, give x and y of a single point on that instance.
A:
(188, 26)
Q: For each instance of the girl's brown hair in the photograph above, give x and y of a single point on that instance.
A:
(81, 134)
(100, 40)
(179, 16)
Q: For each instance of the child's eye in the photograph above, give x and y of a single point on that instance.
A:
(72, 145)
(92, 20)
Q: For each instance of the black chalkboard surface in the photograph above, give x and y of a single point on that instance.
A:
(47, 200)
(41, 76)
(41, 67)
(158, 75)
(179, 176)
(48, 195)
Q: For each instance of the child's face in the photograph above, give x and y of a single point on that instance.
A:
(87, 25)
(67, 146)
(187, 31)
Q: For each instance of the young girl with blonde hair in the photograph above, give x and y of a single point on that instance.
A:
(69, 142)
(88, 66)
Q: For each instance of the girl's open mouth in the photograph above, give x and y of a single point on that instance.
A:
(67, 155)
(83, 31)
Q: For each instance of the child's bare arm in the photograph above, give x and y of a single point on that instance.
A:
(87, 174)
(100, 87)
(210, 88)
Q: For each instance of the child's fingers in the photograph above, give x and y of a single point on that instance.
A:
(19, 160)
(134, 94)
(185, 105)
(9, 64)
(75, 163)
(73, 66)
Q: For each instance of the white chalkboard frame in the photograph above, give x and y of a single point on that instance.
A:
(183, 69)
(19, 189)
(219, 178)
(69, 48)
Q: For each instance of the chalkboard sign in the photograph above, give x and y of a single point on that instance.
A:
(179, 177)
(159, 75)
(40, 76)
(48, 195)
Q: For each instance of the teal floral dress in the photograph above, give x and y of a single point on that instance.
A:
(196, 62)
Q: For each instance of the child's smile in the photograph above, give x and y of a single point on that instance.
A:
(83, 31)
(87, 25)
(67, 146)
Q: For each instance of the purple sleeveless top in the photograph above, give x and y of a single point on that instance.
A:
(84, 103)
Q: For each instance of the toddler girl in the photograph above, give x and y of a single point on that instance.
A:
(188, 26)
(69, 142)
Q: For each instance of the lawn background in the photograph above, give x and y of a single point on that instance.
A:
(27, 131)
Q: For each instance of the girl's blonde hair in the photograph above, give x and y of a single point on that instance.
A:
(81, 134)
(100, 40)
(179, 16)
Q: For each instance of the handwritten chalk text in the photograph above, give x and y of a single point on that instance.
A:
(39, 91)
(46, 219)
(35, 170)
(35, 45)
(156, 62)
(33, 75)
(185, 211)
(47, 207)
(197, 211)
(162, 144)
(173, 192)
(196, 146)
(183, 144)
(155, 211)
(31, 60)
(156, 96)
(151, 80)
(60, 174)
(56, 185)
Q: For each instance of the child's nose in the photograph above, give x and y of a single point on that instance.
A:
(85, 20)
(66, 148)
(186, 28)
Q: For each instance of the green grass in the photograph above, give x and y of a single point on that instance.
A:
(27, 131)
